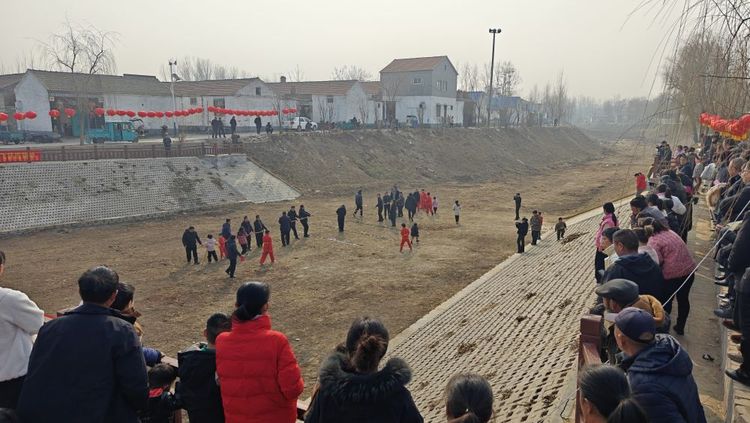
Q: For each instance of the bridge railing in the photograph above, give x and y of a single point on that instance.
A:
(589, 347)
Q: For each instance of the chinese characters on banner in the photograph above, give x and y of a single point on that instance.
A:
(20, 156)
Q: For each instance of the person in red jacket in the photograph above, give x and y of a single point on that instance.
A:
(259, 376)
(404, 237)
(267, 248)
(640, 183)
(428, 205)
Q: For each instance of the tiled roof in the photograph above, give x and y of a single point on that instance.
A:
(372, 87)
(65, 82)
(10, 79)
(218, 87)
(414, 64)
(312, 87)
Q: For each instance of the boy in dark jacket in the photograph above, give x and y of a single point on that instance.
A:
(636, 267)
(198, 390)
(161, 402)
(259, 228)
(522, 229)
(414, 232)
(560, 227)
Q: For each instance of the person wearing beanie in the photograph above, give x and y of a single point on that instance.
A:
(658, 368)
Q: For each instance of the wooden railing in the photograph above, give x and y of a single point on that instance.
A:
(138, 151)
(589, 347)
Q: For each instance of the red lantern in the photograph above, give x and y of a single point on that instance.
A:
(99, 111)
(3, 117)
(131, 113)
(19, 116)
(151, 114)
(111, 112)
(168, 114)
(199, 110)
(30, 115)
(121, 113)
(70, 112)
(159, 114)
(142, 114)
(211, 109)
(54, 113)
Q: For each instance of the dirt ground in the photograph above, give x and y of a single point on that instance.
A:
(320, 284)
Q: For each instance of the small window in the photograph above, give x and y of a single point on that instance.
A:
(417, 81)
(257, 91)
(437, 110)
(193, 101)
(219, 102)
(451, 107)
(329, 99)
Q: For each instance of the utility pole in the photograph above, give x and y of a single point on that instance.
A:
(172, 78)
(494, 32)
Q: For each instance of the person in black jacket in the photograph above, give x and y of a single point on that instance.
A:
(380, 208)
(393, 213)
(258, 123)
(522, 231)
(400, 204)
(190, 239)
(304, 218)
(162, 403)
(341, 213)
(387, 204)
(259, 229)
(198, 390)
(352, 389)
(636, 267)
(358, 203)
(739, 265)
(285, 226)
(247, 225)
(292, 215)
(517, 200)
(233, 125)
(86, 366)
(232, 255)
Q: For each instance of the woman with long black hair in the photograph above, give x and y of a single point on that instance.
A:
(605, 396)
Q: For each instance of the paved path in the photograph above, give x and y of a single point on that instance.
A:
(517, 325)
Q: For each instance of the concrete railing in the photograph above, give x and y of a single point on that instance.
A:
(139, 151)
(589, 347)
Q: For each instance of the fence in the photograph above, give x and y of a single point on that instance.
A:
(589, 346)
(137, 151)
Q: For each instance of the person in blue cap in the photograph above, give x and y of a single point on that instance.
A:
(659, 369)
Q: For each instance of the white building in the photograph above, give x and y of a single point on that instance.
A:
(421, 89)
(328, 101)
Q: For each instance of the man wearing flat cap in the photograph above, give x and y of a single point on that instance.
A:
(659, 369)
(618, 294)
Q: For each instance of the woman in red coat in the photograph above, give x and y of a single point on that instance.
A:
(258, 373)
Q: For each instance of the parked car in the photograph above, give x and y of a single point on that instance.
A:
(18, 137)
(300, 124)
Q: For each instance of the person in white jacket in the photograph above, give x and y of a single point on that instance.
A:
(677, 205)
(20, 319)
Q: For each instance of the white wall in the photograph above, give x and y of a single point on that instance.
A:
(32, 95)
(137, 103)
(409, 105)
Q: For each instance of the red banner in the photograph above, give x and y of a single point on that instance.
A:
(20, 156)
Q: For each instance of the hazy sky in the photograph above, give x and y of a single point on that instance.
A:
(601, 54)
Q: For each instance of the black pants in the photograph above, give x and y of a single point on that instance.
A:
(457, 216)
(233, 129)
(360, 209)
(518, 208)
(410, 214)
(294, 229)
(305, 227)
(682, 298)
(393, 219)
(742, 303)
(232, 266)
(387, 209)
(599, 265)
(341, 224)
(285, 238)
(244, 248)
(400, 211)
(535, 236)
(560, 234)
(214, 132)
(221, 132)
(192, 251)
(10, 390)
(259, 239)
(380, 214)
(212, 254)
(257, 129)
(520, 242)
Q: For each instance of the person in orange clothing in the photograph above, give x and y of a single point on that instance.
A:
(267, 248)
(422, 200)
(428, 204)
(404, 238)
(222, 247)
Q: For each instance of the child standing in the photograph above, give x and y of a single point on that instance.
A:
(457, 211)
(560, 227)
(414, 232)
(161, 402)
(211, 248)
(404, 238)
(242, 240)
(434, 205)
(267, 248)
(222, 247)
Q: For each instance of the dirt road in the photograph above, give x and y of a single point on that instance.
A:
(318, 284)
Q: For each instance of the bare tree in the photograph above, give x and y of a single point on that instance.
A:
(203, 69)
(391, 90)
(363, 107)
(81, 50)
(350, 73)
(296, 75)
(560, 97)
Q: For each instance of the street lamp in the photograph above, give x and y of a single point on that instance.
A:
(494, 32)
(173, 78)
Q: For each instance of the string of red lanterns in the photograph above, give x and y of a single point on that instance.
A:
(100, 111)
(735, 128)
